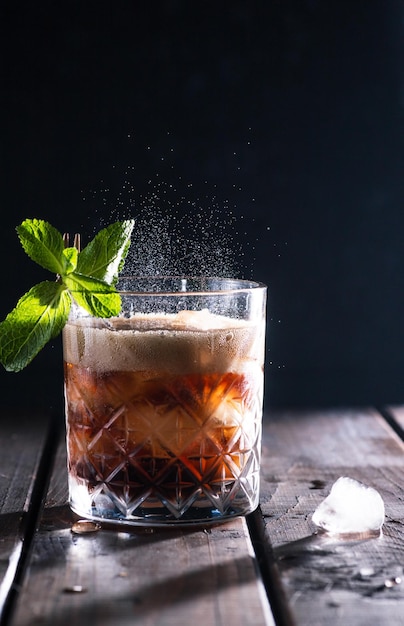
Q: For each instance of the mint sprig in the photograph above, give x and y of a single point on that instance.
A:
(87, 277)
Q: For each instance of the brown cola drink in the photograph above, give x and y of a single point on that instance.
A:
(163, 415)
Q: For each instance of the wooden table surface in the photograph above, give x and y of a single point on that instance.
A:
(271, 568)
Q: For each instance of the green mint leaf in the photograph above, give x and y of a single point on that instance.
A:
(71, 256)
(38, 317)
(104, 256)
(95, 296)
(88, 277)
(43, 244)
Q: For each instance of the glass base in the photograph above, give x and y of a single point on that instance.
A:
(152, 512)
(156, 521)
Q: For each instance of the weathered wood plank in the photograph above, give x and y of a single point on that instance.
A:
(143, 576)
(22, 442)
(329, 580)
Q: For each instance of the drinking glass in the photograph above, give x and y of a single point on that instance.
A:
(164, 402)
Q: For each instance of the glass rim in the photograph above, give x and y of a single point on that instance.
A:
(239, 285)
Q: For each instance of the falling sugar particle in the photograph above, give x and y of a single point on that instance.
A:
(183, 242)
(84, 527)
(178, 231)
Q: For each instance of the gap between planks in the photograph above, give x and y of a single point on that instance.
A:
(394, 416)
(19, 557)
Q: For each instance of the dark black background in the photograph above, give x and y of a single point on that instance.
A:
(291, 111)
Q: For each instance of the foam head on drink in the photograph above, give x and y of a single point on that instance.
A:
(163, 412)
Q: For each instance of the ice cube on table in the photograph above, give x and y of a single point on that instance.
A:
(350, 508)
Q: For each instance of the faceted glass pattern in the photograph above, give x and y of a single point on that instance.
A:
(177, 449)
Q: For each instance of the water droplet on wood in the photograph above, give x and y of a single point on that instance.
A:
(392, 582)
(366, 572)
(75, 589)
(317, 484)
(84, 526)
